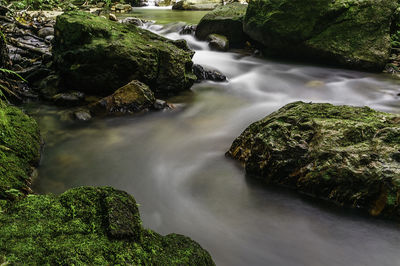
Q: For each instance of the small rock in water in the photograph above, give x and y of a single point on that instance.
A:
(218, 42)
(82, 115)
(160, 104)
(206, 74)
(69, 98)
(112, 17)
(132, 20)
(188, 30)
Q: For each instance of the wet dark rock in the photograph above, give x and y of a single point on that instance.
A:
(160, 104)
(206, 74)
(35, 73)
(218, 42)
(73, 98)
(46, 31)
(343, 154)
(188, 30)
(49, 39)
(82, 115)
(131, 98)
(49, 86)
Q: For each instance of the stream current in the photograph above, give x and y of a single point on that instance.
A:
(173, 163)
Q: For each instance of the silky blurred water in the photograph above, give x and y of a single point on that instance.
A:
(173, 163)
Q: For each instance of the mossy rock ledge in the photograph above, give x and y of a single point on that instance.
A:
(19, 152)
(88, 226)
(98, 56)
(348, 33)
(225, 20)
(346, 155)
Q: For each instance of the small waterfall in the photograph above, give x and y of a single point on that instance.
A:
(151, 2)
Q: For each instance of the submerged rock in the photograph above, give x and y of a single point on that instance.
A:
(82, 115)
(131, 98)
(98, 56)
(347, 155)
(19, 152)
(350, 33)
(225, 20)
(89, 226)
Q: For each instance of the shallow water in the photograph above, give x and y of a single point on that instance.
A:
(173, 163)
(165, 15)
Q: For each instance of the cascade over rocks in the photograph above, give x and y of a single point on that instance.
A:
(349, 33)
(98, 56)
(347, 155)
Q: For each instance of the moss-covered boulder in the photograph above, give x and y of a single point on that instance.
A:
(347, 155)
(350, 33)
(131, 98)
(225, 20)
(19, 152)
(98, 56)
(88, 226)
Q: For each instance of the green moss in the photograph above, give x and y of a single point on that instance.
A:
(346, 154)
(98, 56)
(225, 20)
(348, 32)
(95, 226)
(19, 151)
(131, 98)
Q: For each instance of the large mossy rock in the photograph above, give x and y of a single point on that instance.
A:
(347, 155)
(19, 152)
(98, 56)
(350, 33)
(88, 226)
(225, 20)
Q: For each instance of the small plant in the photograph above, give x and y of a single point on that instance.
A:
(5, 89)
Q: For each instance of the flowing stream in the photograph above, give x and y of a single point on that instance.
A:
(173, 163)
